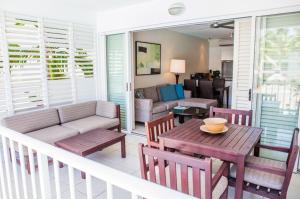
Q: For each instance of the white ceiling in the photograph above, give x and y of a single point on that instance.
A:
(204, 31)
(103, 5)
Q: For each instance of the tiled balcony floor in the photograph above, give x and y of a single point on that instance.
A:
(112, 157)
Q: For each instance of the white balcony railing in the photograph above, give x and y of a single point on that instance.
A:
(16, 183)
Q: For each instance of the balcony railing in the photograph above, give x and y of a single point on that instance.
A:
(15, 182)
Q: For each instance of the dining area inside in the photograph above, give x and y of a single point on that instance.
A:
(204, 157)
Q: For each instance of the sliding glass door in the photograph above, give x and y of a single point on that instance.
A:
(118, 75)
(278, 83)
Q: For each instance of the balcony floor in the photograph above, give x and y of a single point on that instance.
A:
(112, 157)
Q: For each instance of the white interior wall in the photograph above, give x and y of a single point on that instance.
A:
(218, 53)
(173, 45)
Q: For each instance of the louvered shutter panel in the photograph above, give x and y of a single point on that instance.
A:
(3, 105)
(242, 69)
(57, 47)
(84, 57)
(22, 34)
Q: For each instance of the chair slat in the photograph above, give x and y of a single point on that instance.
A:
(173, 175)
(196, 182)
(152, 169)
(184, 179)
(162, 172)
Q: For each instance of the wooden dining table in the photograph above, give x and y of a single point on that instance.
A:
(232, 146)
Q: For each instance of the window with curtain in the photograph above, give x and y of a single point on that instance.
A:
(50, 62)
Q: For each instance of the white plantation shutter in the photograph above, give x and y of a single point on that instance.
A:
(57, 44)
(44, 62)
(243, 68)
(3, 106)
(84, 56)
(22, 35)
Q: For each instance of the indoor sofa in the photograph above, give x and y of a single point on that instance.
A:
(149, 104)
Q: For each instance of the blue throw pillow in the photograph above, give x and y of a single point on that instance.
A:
(168, 93)
(179, 91)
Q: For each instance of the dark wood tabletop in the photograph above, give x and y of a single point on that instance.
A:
(90, 142)
(233, 145)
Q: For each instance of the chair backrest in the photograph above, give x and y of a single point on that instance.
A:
(190, 84)
(205, 89)
(218, 83)
(157, 127)
(177, 171)
(233, 116)
(291, 160)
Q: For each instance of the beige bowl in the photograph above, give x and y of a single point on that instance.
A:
(215, 124)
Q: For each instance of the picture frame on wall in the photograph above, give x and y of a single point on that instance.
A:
(147, 58)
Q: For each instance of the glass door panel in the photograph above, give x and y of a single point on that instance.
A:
(278, 82)
(116, 73)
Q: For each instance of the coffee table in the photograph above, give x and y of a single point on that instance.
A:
(194, 112)
(92, 141)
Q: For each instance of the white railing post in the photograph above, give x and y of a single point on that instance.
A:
(44, 175)
(109, 191)
(32, 173)
(22, 165)
(57, 179)
(7, 167)
(89, 190)
(2, 179)
(71, 182)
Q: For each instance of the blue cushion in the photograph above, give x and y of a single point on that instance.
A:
(168, 93)
(179, 91)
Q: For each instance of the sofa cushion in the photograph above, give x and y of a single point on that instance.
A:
(139, 93)
(52, 134)
(77, 111)
(168, 93)
(93, 122)
(27, 122)
(198, 102)
(151, 93)
(158, 90)
(179, 91)
(106, 109)
(159, 107)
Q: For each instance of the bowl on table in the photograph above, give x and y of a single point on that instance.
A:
(214, 125)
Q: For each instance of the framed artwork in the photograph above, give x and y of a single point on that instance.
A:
(147, 58)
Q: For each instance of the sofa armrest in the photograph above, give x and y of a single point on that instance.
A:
(144, 104)
(187, 94)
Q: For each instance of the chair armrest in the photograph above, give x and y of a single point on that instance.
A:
(266, 168)
(144, 104)
(187, 94)
(223, 171)
(274, 148)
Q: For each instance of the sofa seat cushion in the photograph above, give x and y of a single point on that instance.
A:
(198, 102)
(159, 107)
(73, 112)
(93, 122)
(262, 178)
(52, 134)
(171, 104)
(32, 121)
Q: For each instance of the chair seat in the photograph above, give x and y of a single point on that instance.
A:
(262, 178)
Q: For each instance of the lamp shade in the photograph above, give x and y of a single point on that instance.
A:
(177, 66)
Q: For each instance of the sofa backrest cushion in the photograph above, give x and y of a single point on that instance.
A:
(27, 122)
(179, 91)
(73, 112)
(168, 93)
(158, 90)
(151, 93)
(106, 109)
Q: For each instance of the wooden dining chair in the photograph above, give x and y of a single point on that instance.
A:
(183, 173)
(267, 177)
(190, 84)
(233, 116)
(157, 127)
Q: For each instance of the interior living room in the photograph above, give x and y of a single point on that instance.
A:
(202, 51)
(130, 99)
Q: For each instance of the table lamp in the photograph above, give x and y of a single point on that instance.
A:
(178, 67)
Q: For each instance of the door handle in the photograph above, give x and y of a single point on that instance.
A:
(250, 94)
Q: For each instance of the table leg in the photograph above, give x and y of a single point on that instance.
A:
(123, 148)
(181, 119)
(240, 170)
